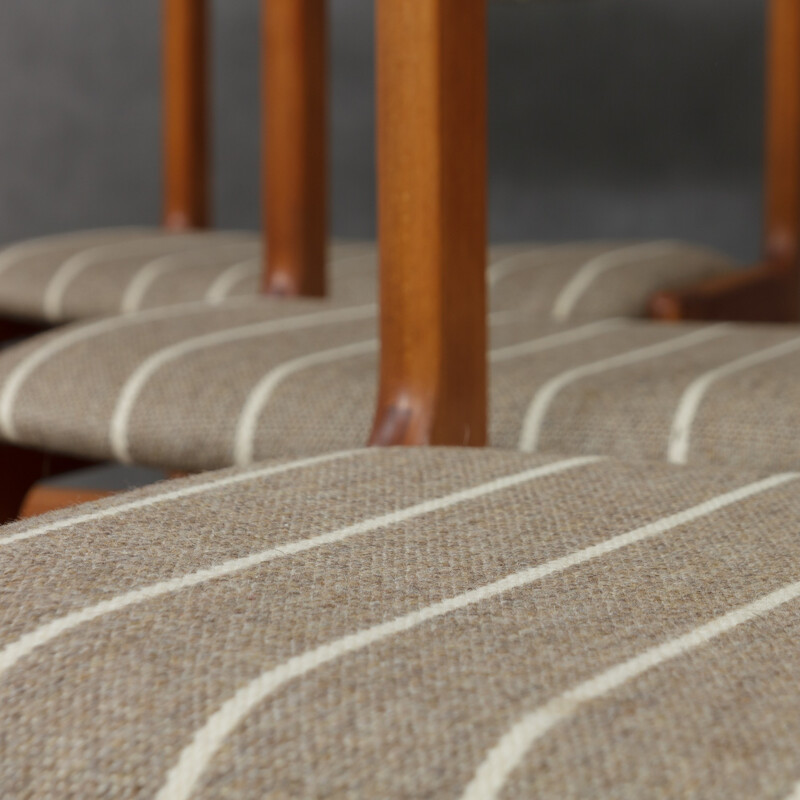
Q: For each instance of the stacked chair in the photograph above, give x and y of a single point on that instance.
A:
(418, 621)
(134, 387)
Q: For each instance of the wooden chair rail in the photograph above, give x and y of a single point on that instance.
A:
(769, 292)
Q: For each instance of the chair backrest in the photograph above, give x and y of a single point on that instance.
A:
(294, 86)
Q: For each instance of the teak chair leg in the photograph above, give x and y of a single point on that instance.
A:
(23, 468)
(431, 67)
(294, 79)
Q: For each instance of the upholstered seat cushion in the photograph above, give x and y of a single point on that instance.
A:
(424, 623)
(99, 273)
(255, 378)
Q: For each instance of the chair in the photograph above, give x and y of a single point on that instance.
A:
(410, 622)
(299, 380)
(96, 273)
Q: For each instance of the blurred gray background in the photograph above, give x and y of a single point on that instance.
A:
(608, 117)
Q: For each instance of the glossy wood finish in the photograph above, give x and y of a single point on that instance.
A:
(431, 64)
(22, 468)
(186, 122)
(295, 161)
(769, 292)
(42, 499)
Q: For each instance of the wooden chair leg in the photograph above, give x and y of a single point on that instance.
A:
(22, 469)
(431, 57)
(294, 78)
(760, 294)
(186, 118)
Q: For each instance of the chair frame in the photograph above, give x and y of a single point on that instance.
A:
(294, 80)
(769, 291)
(431, 81)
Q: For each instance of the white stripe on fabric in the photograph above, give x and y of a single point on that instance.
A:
(69, 270)
(225, 281)
(118, 430)
(196, 756)
(516, 262)
(11, 256)
(23, 370)
(174, 494)
(681, 432)
(554, 340)
(795, 795)
(244, 438)
(13, 652)
(588, 273)
(509, 752)
(534, 417)
(149, 272)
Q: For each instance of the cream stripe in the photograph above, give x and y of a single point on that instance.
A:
(69, 270)
(586, 275)
(509, 752)
(225, 281)
(680, 435)
(196, 756)
(13, 652)
(149, 272)
(129, 394)
(502, 268)
(554, 340)
(11, 256)
(175, 494)
(260, 395)
(795, 795)
(23, 370)
(535, 415)
(244, 441)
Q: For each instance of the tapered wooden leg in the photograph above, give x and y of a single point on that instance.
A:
(186, 117)
(431, 57)
(761, 294)
(295, 130)
(22, 468)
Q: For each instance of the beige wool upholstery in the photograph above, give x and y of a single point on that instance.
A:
(257, 378)
(100, 273)
(408, 623)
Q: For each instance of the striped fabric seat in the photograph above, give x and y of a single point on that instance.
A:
(101, 273)
(424, 623)
(256, 378)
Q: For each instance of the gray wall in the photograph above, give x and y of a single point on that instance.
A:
(612, 117)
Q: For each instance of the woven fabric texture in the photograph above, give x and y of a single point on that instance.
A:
(256, 378)
(99, 273)
(416, 623)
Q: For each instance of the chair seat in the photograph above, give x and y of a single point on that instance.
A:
(423, 623)
(256, 378)
(100, 273)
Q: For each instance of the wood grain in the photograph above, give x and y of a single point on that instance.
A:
(295, 130)
(431, 74)
(186, 123)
